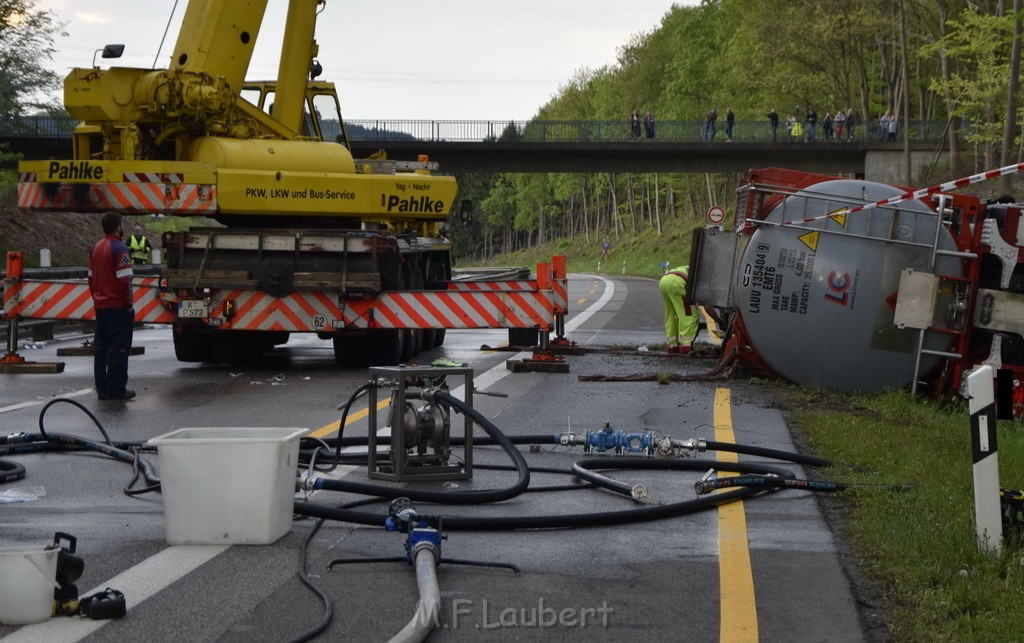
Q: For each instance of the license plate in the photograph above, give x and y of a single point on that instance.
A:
(193, 308)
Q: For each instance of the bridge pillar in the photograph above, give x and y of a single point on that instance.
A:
(885, 166)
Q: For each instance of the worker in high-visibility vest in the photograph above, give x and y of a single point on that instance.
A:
(139, 246)
(680, 318)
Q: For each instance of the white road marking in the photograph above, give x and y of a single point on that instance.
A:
(25, 405)
(138, 583)
(157, 572)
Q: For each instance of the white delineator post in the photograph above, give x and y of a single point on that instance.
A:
(987, 509)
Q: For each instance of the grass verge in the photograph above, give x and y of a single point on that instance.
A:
(910, 517)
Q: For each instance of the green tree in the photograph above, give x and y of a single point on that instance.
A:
(26, 43)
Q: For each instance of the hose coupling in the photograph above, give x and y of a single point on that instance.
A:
(706, 484)
(665, 448)
(642, 495)
(692, 444)
(15, 438)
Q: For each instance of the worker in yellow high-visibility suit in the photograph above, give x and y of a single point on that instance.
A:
(680, 318)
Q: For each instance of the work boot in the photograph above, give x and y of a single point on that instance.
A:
(127, 394)
(683, 350)
(672, 349)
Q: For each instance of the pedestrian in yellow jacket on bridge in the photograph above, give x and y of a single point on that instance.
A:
(680, 318)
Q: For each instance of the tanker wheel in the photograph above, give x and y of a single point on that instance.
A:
(439, 336)
(191, 345)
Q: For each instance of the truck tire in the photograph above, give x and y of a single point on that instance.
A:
(190, 345)
(385, 347)
(349, 349)
(429, 338)
(523, 336)
(439, 336)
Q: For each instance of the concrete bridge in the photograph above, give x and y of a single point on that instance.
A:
(593, 146)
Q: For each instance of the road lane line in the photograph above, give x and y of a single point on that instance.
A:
(137, 583)
(328, 429)
(25, 405)
(738, 608)
(157, 572)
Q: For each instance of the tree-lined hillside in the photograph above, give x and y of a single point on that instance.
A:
(917, 60)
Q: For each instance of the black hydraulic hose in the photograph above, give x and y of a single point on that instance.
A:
(344, 417)
(92, 417)
(707, 486)
(11, 471)
(595, 519)
(448, 497)
(61, 440)
(603, 481)
(746, 449)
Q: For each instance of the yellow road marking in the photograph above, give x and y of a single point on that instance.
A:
(581, 300)
(324, 431)
(735, 579)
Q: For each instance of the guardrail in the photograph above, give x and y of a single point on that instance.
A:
(536, 131)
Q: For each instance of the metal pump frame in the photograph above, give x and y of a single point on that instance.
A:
(409, 382)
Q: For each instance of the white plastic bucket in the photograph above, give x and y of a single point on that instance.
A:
(228, 486)
(27, 579)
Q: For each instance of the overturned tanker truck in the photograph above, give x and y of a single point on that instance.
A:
(861, 286)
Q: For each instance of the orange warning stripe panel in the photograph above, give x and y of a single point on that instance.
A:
(71, 300)
(153, 177)
(319, 311)
(126, 198)
(512, 284)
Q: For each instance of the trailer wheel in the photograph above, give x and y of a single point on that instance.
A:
(386, 347)
(523, 336)
(349, 350)
(190, 345)
(439, 336)
(429, 339)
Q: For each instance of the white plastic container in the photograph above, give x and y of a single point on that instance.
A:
(27, 580)
(228, 486)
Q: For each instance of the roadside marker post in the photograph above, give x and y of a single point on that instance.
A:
(987, 506)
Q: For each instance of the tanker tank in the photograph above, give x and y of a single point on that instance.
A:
(818, 298)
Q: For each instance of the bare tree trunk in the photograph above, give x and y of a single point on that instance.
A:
(1010, 124)
(613, 206)
(905, 77)
(631, 199)
(657, 205)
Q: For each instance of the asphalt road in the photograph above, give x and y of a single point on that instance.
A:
(764, 569)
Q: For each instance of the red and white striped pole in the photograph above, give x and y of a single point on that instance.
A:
(987, 507)
(915, 194)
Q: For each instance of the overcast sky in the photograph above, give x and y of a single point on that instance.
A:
(398, 59)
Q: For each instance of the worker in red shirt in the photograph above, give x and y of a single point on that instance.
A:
(681, 319)
(110, 282)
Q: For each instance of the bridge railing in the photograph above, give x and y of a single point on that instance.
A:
(534, 131)
(616, 131)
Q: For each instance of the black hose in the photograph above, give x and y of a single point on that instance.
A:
(746, 449)
(344, 417)
(448, 497)
(92, 417)
(11, 471)
(564, 521)
(708, 486)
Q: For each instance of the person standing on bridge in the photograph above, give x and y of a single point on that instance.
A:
(110, 282)
(649, 126)
(730, 121)
(773, 118)
(851, 123)
(140, 246)
(709, 125)
(680, 317)
(634, 125)
(840, 122)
